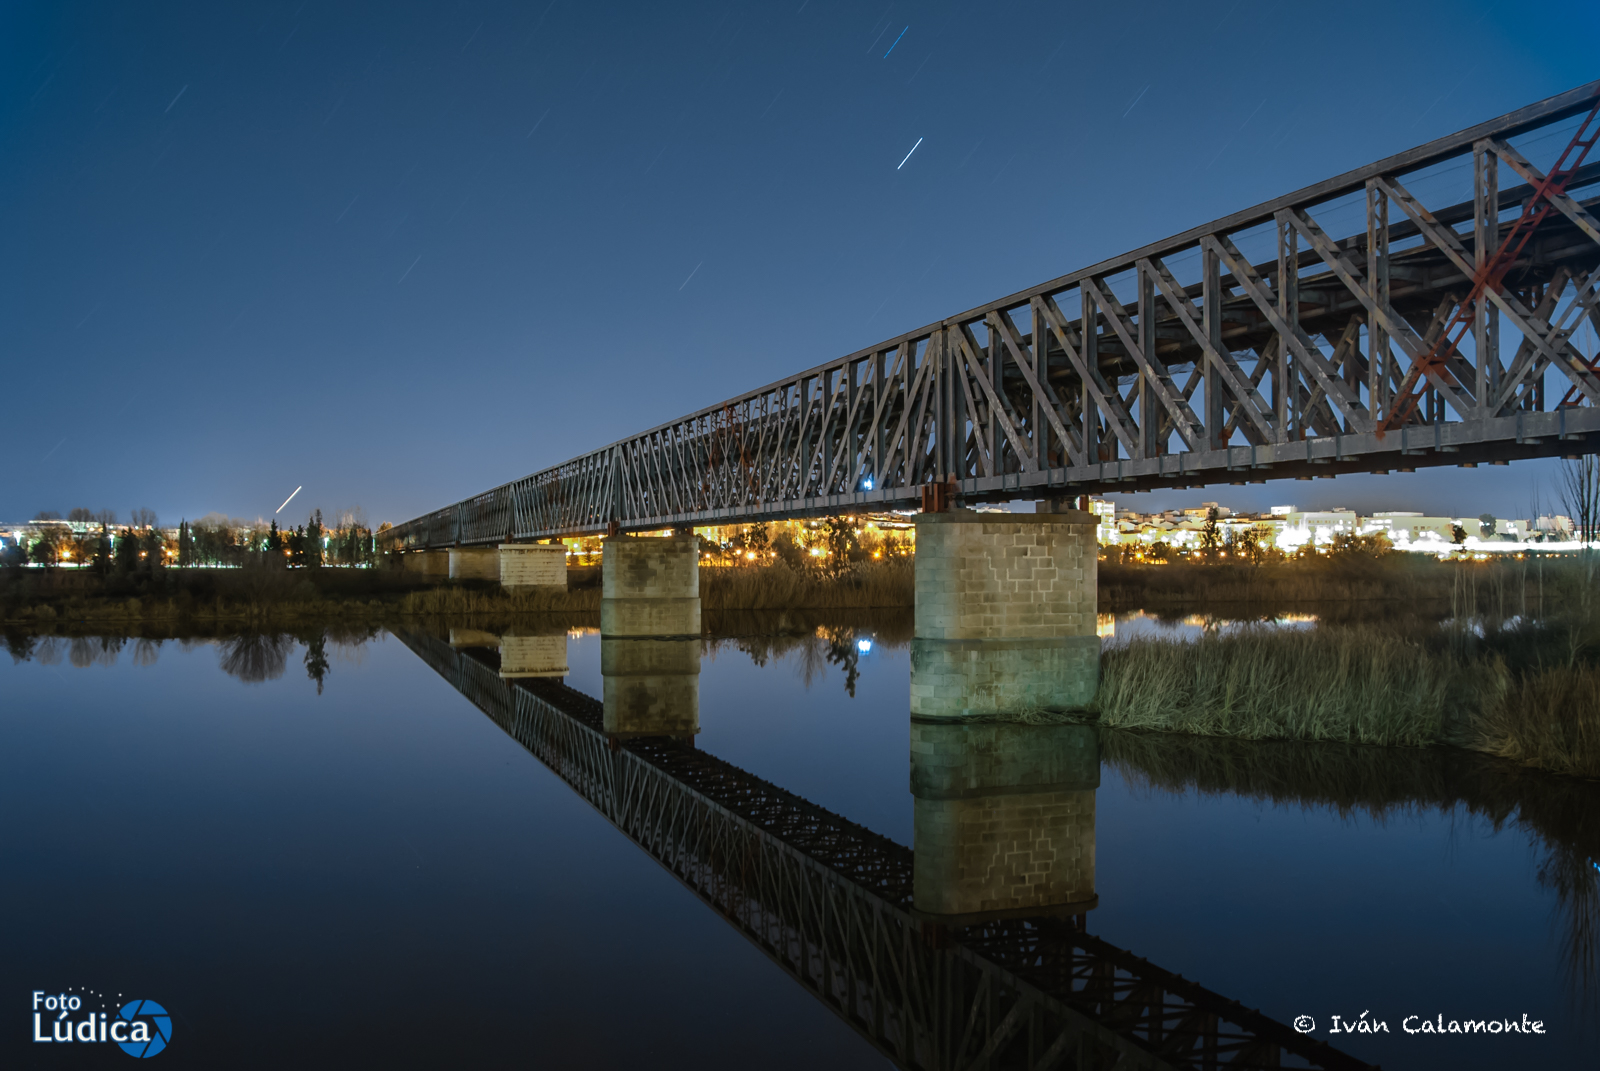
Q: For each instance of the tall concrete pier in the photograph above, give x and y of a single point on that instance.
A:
(1004, 818)
(1005, 614)
(650, 586)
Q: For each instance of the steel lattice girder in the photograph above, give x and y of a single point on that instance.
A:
(830, 902)
(1279, 367)
(1200, 363)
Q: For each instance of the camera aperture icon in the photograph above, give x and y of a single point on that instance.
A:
(157, 1032)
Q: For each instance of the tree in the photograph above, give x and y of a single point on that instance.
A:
(1580, 494)
(840, 538)
(1486, 525)
(127, 552)
(313, 549)
(80, 514)
(1458, 534)
(47, 515)
(1209, 539)
(185, 545)
(274, 538)
(46, 550)
(144, 517)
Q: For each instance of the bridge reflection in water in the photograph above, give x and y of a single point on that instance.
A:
(961, 956)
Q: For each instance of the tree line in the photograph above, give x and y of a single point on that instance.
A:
(97, 541)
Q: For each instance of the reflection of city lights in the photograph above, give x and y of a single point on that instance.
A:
(863, 645)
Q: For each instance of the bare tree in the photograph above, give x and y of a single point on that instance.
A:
(1580, 494)
(81, 513)
(47, 515)
(144, 517)
(107, 517)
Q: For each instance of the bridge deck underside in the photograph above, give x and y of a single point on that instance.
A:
(830, 903)
(1278, 342)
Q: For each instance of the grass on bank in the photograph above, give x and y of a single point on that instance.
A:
(1525, 692)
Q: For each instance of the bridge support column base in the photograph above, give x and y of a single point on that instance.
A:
(426, 562)
(1005, 614)
(474, 563)
(526, 566)
(650, 587)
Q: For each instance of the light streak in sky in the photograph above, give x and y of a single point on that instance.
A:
(908, 155)
(896, 42)
(286, 502)
(1136, 100)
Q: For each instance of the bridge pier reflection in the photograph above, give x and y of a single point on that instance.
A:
(651, 686)
(831, 903)
(1004, 819)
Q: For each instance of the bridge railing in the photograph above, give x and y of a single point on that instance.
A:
(1411, 312)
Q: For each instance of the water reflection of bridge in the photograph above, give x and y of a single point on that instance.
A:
(832, 904)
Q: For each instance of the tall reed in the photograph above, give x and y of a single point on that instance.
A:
(1264, 683)
(1550, 719)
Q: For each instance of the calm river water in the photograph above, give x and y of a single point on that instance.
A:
(367, 870)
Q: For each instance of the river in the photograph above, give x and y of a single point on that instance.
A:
(365, 850)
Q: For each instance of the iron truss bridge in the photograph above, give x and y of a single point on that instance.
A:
(830, 903)
(1423, 310)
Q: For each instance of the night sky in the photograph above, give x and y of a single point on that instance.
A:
(399, 253)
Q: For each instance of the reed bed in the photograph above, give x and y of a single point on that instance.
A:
(778, 587)
(1526, 693)
(1263, 683)
(1550, 718)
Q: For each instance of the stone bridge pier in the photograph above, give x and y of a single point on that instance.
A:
(1004, 632)
(1005, 614)
(650, 635)
(1003, 819)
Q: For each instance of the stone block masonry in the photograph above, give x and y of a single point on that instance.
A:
(650, 586)
(525, 566)
(1005, 613)
(426, 562)
(533, 656)
(474, 563)
(1004, 818)
(651, 686)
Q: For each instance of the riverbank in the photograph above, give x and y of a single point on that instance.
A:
(261, 598)
(1333, 586)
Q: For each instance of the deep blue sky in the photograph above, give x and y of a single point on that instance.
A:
(398, 253)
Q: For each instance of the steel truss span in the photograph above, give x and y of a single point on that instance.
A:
(830, 903)
(1423, 310)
